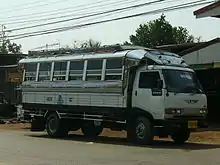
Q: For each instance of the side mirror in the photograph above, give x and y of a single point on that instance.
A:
(159, 84)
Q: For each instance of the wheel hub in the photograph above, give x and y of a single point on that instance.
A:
(140, 130)
(97, 123)
(53, 125)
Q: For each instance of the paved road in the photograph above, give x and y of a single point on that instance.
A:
(25, 148)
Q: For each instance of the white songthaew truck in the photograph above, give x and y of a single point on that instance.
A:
(144, 91)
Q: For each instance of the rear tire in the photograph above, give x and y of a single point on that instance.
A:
(180, 136)
(141, 132)
(56, 127)
(89, 129)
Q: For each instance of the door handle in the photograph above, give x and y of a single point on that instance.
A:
(135, 93)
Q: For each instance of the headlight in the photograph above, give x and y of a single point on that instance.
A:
(203, 111)
(174, 111)
(178, 111)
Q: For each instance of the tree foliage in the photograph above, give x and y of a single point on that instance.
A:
(8, 47)
(126, 43)
(160, 32)
(91, 44)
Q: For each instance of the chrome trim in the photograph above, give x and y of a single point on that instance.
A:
(185, 112)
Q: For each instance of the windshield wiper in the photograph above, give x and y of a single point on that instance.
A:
(196, 90)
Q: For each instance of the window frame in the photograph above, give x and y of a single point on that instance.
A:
(91, 75)
(60, 71)
(83, 74)
(25, 72)
(50, 71)
(75, 74)
(114, 69)
(149, 72)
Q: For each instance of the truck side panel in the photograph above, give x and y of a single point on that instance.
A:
(75, 99)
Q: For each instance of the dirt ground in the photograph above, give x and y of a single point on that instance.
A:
(210, 137)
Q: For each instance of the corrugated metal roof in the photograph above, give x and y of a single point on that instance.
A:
(183, 49)
(200, 46)
(8, 66)
(207, 8)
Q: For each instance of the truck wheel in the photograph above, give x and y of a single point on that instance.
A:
(142, 131)
(180, 136)
(56, 127)
(91, 130)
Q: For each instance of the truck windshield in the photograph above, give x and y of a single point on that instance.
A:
(180, 81)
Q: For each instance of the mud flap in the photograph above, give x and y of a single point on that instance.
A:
(38, 124)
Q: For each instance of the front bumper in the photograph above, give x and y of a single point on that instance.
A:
(184, 112)
(183, 122)
(185, 117)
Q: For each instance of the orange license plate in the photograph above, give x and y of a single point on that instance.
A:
(193, 124)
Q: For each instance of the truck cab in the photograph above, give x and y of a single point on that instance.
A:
(172, 97)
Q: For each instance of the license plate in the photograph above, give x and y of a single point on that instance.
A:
(192, 124)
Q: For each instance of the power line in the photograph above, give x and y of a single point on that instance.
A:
(56, 30)
(54, 12)
(90, 15)
(68, 15)
(110, 20)
(33, 2)
(99, 16)
(46, 19)
(39, 5)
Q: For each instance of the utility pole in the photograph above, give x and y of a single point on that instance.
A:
(3, 39)
(2, 34)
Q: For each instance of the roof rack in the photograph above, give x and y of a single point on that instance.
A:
(103, 49)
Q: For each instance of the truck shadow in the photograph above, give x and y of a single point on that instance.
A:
(157, 144)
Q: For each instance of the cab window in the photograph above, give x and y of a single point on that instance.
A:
(148, 80)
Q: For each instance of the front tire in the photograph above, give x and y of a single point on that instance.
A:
(56, 127)
(180, 136)
(141, 132)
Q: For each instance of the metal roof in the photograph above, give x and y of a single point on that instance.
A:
(8, 66)
(207, 9)
(158, 56)
(183, 49)
(73, 57)
(200, 46)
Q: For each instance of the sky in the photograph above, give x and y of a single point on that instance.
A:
(13, 11)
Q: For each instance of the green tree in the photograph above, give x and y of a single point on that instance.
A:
(126, 43)
(91, 44)
(160, 32)
(8, 47)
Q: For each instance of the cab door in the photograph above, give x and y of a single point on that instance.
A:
(148, 93)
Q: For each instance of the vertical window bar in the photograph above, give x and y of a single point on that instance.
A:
(122, 74)
(85, 69)
(24, 72)
(67, 71)
(37, 73)
(51, 71)
(103, 69)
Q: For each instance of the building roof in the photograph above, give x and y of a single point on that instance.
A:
(207, 11)
(183, 49)
(200, 46)
(177, 48)
(8, 66)
(10, 61)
